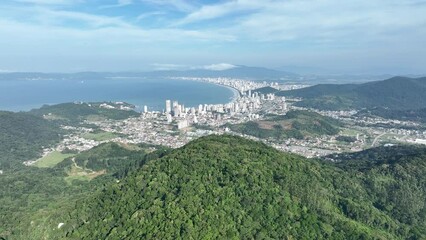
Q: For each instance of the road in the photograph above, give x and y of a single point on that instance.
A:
(377, 138)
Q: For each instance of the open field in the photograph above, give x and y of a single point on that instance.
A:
(100, 136)
(51, 159)
(78, 173)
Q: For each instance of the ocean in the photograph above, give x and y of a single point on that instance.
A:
(24, 95)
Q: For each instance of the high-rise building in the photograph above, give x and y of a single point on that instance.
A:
(145, 109)
(168, 106)
(169, 118)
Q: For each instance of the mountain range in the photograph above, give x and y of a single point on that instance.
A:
(244, 72)
(397, 93)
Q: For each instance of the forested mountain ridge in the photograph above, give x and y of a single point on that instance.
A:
(22, 137)
(77, 112)
(397, 93)
(33, 199)
(233, 188)
(297, 124)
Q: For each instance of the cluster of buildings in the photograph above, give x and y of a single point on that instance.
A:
(178, 124)
(247, 104)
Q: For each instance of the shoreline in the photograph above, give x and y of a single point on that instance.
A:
(26, 107)
(235, 92)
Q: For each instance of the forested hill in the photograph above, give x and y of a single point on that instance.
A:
(77, 112)
(295, 124)
(226, 187)
(398, 93)
(22, 137)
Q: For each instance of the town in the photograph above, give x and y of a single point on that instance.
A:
(178, 124)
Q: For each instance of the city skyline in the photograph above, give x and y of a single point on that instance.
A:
(143, 35)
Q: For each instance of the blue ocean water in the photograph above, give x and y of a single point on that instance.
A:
(23, 95)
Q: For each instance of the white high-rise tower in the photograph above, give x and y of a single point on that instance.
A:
(168, 106)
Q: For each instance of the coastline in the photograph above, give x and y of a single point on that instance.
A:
(140, 93)
(236, 93)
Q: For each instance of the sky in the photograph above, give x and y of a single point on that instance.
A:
(333, 36)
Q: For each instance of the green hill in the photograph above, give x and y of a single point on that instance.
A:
(77, 112)
(394, 178)
(33, 198)
(22, 137)
(295, 124)
(265, 90)
(398, 93)
(416, 115)
(225, 187)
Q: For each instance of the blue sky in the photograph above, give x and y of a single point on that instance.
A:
(363, 36)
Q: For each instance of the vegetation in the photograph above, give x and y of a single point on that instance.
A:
(398, 93)
(395, 181)
(266, 90)
(76, 112)
(416, 115)
(231, 188)
(348, 139)
(295, 124)
(33, 199)
(51, 159)
(23, 136)
(218, 187)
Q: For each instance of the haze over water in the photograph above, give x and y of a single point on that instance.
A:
(25, 95)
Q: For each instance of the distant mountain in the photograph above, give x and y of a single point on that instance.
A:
(255, 73)
(398, 93)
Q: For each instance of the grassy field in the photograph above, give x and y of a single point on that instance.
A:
(100, 136)
(51, 159)
(77, 173)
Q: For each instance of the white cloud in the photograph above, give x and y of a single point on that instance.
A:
(168, 66)
(149, 14)
(219, 66)
(208, 12)
(120, 3)
(50, 2)
(180, 5)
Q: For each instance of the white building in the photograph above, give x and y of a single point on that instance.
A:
(168, 106)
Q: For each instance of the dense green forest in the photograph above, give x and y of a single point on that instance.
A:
(34, 198)
(23, 136)
(417, 115)
(226, 187)
(265, 90)
(398, 93)
(295, 124)
(76, 112)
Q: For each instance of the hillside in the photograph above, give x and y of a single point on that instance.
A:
(77, 112)
(416, 115)
(398, 93)
(31, 196)
(224, 187)
(394, 178)
(265, 90)
(295, 124)
(22, 137)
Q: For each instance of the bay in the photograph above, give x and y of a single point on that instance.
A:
(23, 95)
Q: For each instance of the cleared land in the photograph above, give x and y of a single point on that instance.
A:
(100, 136)
(51, 159)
